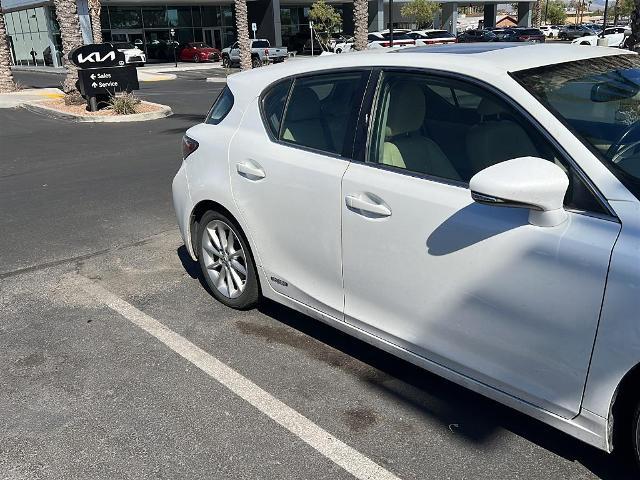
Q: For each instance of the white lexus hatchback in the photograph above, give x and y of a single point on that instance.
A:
(473, 209)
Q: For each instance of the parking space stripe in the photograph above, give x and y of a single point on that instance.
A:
(332, 448)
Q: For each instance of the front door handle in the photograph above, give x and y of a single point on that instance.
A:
(358, 203)
(250, 170)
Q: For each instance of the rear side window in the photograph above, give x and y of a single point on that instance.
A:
(221, 107)
(322, 111)
(273, 104)
(260, 44)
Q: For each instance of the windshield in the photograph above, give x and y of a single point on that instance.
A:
(599, 100)
(123, 45)
(260, 44)
(199, 45)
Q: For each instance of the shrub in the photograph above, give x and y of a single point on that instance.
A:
(74, 98)
(124, 103)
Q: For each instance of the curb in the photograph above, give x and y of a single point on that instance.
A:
(217, 79)
(136, 117)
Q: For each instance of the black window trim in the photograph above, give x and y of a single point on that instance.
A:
(292, 78)
(365, 120)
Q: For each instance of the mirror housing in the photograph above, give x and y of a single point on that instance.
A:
(526, 182)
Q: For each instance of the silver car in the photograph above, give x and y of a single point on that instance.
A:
(473, 209)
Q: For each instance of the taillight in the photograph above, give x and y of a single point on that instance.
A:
(525, 38)
(189, 145)
(266, 52)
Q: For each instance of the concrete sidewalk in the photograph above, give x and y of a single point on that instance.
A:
(22, 97)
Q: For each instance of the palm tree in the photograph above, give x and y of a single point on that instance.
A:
(634, 38)
(537, 16)
(7, 84)
(94, 14)
(67, 15)
(242, 26)
(361, 23)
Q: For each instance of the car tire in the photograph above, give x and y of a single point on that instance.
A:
(196, 58)
(635, 439)
(338, 50)
(256, 62)
(228, 269)
(585, 43)
(226, 63)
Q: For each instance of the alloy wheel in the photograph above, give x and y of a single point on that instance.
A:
(224, 259)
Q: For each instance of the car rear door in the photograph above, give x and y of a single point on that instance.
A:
(286, 164)
(473, 288)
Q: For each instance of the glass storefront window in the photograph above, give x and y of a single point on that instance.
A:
(104, 17)
(227, 16)
(197, 17)
(179, 16)
(211, 17)
(125, 17)
(154, 17)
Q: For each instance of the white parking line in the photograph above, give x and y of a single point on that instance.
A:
(335, 450)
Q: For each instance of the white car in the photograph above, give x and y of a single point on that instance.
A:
(382, 39)
(615, 37)
(132, 54)
(343, 45)
(432, 37)
(550, 31)
(473, 209)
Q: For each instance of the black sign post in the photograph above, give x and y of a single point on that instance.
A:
(102, 72)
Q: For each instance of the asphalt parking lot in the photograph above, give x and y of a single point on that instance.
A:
(119, 364)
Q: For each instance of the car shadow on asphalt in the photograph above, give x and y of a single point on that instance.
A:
(468, 415)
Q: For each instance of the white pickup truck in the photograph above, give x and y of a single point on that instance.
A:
(261, 53)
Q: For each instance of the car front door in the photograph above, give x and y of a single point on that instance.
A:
(286, 170)
(473, 288)
(234, 52)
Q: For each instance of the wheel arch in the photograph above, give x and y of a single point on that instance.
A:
(198, 211)
(622, 406)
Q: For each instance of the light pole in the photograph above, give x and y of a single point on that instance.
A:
(172, 32)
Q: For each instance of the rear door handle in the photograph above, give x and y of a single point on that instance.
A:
(250, 170)
(358, 203)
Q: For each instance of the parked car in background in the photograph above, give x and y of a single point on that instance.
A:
(262, 53)
(615, 37)
(345, 45)
(432, 37)
(550, 31)
(571, 32)
(132, 54)
(470, 36)
(509, 222)
(533, 35)
(198, 52)
(382, 39)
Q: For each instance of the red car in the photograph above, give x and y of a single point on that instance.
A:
(199, 52)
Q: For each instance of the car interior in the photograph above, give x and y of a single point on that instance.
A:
(453, 130)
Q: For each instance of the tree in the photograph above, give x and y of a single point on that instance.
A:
(537, 13)
(94, 14)
(7, 84)
(361, 24)
(67, 15)
(625, 7)
(634, 38)
(556, 14)
(326, 20)
(422, 10)
(242, 27)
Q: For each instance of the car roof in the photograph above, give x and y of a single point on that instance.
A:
(490, 60)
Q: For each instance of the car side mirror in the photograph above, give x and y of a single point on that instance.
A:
(526, 182)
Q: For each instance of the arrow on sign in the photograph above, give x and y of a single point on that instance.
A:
(93, 76)
(94, 84)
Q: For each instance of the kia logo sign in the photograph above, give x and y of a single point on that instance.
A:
(97, 55)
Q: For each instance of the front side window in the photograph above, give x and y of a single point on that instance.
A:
(452, 129)
(599, 99)
(322, 111)
(221, 107)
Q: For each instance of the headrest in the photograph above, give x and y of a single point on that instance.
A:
(407, 108)
(304, 105)
(488, 107)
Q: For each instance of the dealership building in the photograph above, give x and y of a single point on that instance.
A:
(34, 34)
